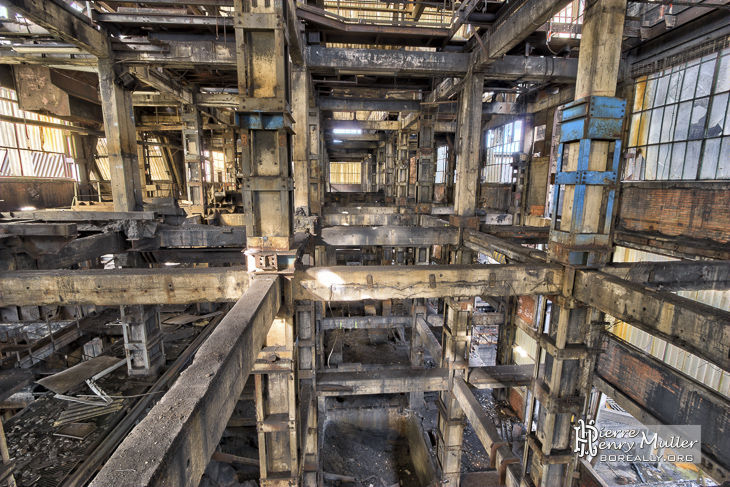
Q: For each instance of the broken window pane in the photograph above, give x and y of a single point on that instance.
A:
(709, 159)
(692, 160)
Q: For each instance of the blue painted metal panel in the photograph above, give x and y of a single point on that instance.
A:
(594, 117)
(260, 121)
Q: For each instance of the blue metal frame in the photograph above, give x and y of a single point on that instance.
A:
(583, 121)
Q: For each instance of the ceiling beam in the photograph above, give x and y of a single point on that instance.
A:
(348, 283)
(63, 22)
(365, 104)
(386, 62)
(514, 24)
(160, 81)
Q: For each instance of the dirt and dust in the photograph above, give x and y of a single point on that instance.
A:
(375, 458)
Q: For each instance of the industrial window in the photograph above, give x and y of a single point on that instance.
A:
(28, 149)
(501, 143)
(679, 123)
(345, 172)
(441, 159)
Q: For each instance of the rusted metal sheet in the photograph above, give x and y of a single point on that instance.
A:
(38, 193)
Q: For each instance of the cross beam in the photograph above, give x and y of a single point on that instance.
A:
(381, 382)
(123, 286)
(347, 283)
(701, 329)
(65, 23)
(392, 236)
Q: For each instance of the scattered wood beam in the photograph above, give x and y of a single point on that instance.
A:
(500, 452)
(83, 249)
(429, 340)
(486, 244)
(186, 424)
(497, 376)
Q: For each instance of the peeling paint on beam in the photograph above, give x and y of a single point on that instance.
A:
(413, 63)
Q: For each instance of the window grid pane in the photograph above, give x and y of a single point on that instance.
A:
(679, 119)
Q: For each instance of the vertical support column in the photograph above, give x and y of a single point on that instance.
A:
(456, 342)
(380, 167)
(402, 168)
(316, 162)
(469, 126)
(300, 140)
(390, 168)
(194, 158)
(142, 339)
(230, 135)
(265, 119)
(418, 312)
(306, 326)
(121, 139)
(581, 237)
(426, 161)
(276, 411)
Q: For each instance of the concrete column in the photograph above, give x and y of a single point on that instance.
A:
(268, 192)
(426, 158)
(563, 389)
(142, 339)
(300, 140)
(390, 168)
(230, 135)
(418, 311)
(451, 420)
(121, 139)
(468, 144)
(194, 158)
(402, 168)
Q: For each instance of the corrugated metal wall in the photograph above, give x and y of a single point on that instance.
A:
(688, 363)
(27, 150)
